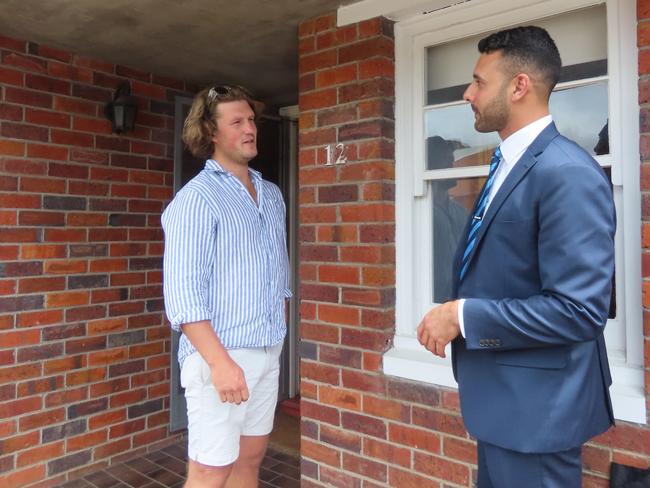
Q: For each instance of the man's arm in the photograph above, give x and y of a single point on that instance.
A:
(187, 266)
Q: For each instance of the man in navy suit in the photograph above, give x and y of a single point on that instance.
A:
(533, 276)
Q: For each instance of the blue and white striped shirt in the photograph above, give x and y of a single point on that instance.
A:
(226, 259)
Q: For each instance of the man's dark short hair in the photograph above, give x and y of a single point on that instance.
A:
(529, 49)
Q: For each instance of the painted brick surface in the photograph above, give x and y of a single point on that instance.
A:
(361, 428)
(84, 347)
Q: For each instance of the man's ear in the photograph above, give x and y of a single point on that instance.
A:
(521, 85)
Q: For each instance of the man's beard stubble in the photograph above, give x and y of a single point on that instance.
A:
(495, 114)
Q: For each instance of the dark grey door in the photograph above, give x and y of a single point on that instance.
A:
(185, 167)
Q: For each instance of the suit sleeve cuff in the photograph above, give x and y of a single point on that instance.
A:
(461, 321)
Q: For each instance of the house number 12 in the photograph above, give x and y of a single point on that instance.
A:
(336, 154)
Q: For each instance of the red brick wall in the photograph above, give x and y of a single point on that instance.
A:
(84, 350)
(361, 428)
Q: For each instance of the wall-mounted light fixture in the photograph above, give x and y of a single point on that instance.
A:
(122, 110)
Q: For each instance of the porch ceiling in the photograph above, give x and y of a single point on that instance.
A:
(251, 42)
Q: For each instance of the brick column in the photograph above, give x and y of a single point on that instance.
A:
(347, 233)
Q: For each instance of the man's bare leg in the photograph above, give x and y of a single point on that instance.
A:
(203, 476)
(246, 470)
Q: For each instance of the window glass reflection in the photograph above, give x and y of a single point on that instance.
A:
(451, 204)
(580, 114)
(580, 35)
(455, 124)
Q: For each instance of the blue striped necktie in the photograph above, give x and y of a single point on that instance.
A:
(479, 211)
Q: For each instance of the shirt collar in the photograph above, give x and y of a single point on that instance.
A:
(514, 145)
(213, 165)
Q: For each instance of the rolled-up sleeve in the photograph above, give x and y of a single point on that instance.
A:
(189, 227)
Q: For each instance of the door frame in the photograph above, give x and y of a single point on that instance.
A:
(178, 406)
(289, 146)
(289, 173)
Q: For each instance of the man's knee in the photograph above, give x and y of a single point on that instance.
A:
(252, 450)
(204, 476)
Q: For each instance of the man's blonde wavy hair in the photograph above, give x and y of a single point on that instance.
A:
(201, 122)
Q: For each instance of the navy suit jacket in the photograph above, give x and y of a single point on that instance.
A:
(532, 370)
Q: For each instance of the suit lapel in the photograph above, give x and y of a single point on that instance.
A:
(521, 168)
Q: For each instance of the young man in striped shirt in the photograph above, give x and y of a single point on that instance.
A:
(226, 282)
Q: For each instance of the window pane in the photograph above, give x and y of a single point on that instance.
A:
(452, 140)
(452, 203)
(580, 114)
(581, 37)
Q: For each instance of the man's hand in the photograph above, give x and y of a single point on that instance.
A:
(439, 327)
(226, 375)
(229, 381)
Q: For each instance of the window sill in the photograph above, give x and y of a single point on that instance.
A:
(409, 360)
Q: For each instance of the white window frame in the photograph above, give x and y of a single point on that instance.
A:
(407, 358)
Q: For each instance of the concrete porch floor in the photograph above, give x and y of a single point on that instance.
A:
(166, 467)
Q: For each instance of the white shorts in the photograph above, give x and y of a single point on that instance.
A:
(214, 427)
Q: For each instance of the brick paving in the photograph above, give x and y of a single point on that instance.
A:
(165, 468)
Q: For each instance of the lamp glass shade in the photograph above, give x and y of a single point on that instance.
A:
(123, 117)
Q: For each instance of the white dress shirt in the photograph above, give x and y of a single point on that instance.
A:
(512, 148)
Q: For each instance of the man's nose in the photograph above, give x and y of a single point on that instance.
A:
(250, 126)
(467, 93)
